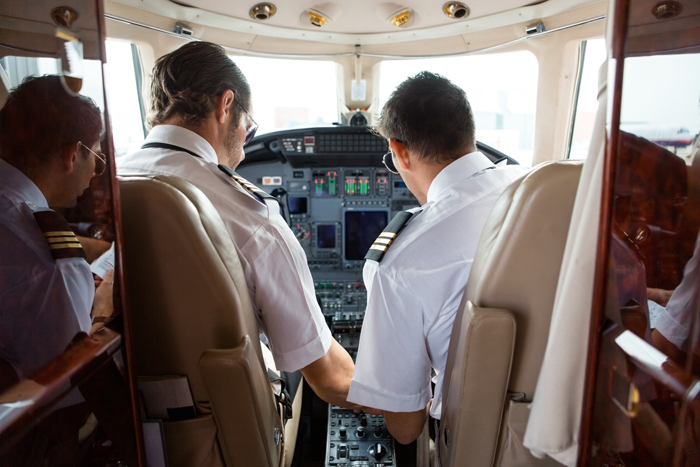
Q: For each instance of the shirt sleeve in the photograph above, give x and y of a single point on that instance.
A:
(43, 313)
(675, 322)
(392, 371)
(285, 297)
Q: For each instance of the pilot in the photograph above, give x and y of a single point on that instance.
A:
(49, 142)
(673, 326)
(417, 269)
(202, 117)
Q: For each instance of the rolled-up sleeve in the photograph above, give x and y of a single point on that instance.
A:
(392, 371)
(285, 297)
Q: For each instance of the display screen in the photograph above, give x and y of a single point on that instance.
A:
(325, 236)
(361, 229)
(297, 205)
(399, 184)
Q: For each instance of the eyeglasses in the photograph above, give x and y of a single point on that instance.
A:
(389, 162)
(100, 161)
(250, 132)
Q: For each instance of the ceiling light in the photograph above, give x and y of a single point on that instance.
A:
(316, 18)
(667, 10)
(402, 18)
(64, 16)
(399, 15)
(456, 10)
(263, 11)
(321, 14)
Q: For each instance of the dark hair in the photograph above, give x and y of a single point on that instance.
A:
(431, 116)
(40, 117)
(186, 81)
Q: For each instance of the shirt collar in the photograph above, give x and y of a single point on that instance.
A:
(461, 169)
(13, 181)
(184, 138)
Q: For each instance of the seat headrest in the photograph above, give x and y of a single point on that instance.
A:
(519, 257)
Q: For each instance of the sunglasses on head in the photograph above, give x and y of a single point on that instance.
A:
(100, 160)
(250, 132)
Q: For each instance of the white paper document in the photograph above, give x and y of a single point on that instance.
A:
(104, 263)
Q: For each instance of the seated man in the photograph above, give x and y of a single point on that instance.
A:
(48, 145)
(415, 281)
(673, 328)
(201, 113)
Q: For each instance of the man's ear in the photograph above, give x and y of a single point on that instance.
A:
(402, 155)
(69, 156)
(224, 106)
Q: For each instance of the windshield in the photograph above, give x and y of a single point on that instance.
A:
(503, 102)
(290, 93)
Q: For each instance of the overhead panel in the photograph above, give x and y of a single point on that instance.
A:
(351, 17)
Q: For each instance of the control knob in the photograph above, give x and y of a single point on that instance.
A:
(342, 432)
(378, 451)
(360, 432)
(378, 431)
(363, 420)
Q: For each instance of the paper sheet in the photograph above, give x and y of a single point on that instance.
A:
(104, 263)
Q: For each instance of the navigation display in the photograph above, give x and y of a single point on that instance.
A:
(361, 229)
(325, 236)
(297, 205)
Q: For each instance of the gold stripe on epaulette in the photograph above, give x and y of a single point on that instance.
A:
(384, 241)
(387, 234)
(60, 246)
(59, 233)
(378, 247)
(72, 239)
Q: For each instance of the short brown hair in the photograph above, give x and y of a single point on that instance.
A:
(40, 118)
(186, 81)
(431, 116)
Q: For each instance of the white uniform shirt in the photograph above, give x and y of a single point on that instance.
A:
(675, 322)
(44, 302)
(414, 292)
(278, 278)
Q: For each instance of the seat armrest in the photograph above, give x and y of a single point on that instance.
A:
(476, 386)
(242, 401)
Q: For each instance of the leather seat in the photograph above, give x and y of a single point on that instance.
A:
(191, 315)
(500, 332)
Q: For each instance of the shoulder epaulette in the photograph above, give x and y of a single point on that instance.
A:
(387, 237)
(254, 190)
(62, 241)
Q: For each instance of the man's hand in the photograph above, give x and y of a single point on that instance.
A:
(659, 296)
(93, 248)
(330, 376)
(103, 305)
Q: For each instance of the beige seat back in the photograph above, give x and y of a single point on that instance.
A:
(191, 315)
(500, 332)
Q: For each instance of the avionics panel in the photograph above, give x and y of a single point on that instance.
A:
(361, 226)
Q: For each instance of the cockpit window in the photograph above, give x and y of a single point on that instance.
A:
(593, 56)
(290, 93)
(661, 101)
(121, 76)
(501, 88)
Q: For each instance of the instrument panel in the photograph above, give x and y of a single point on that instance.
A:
(337, 197)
